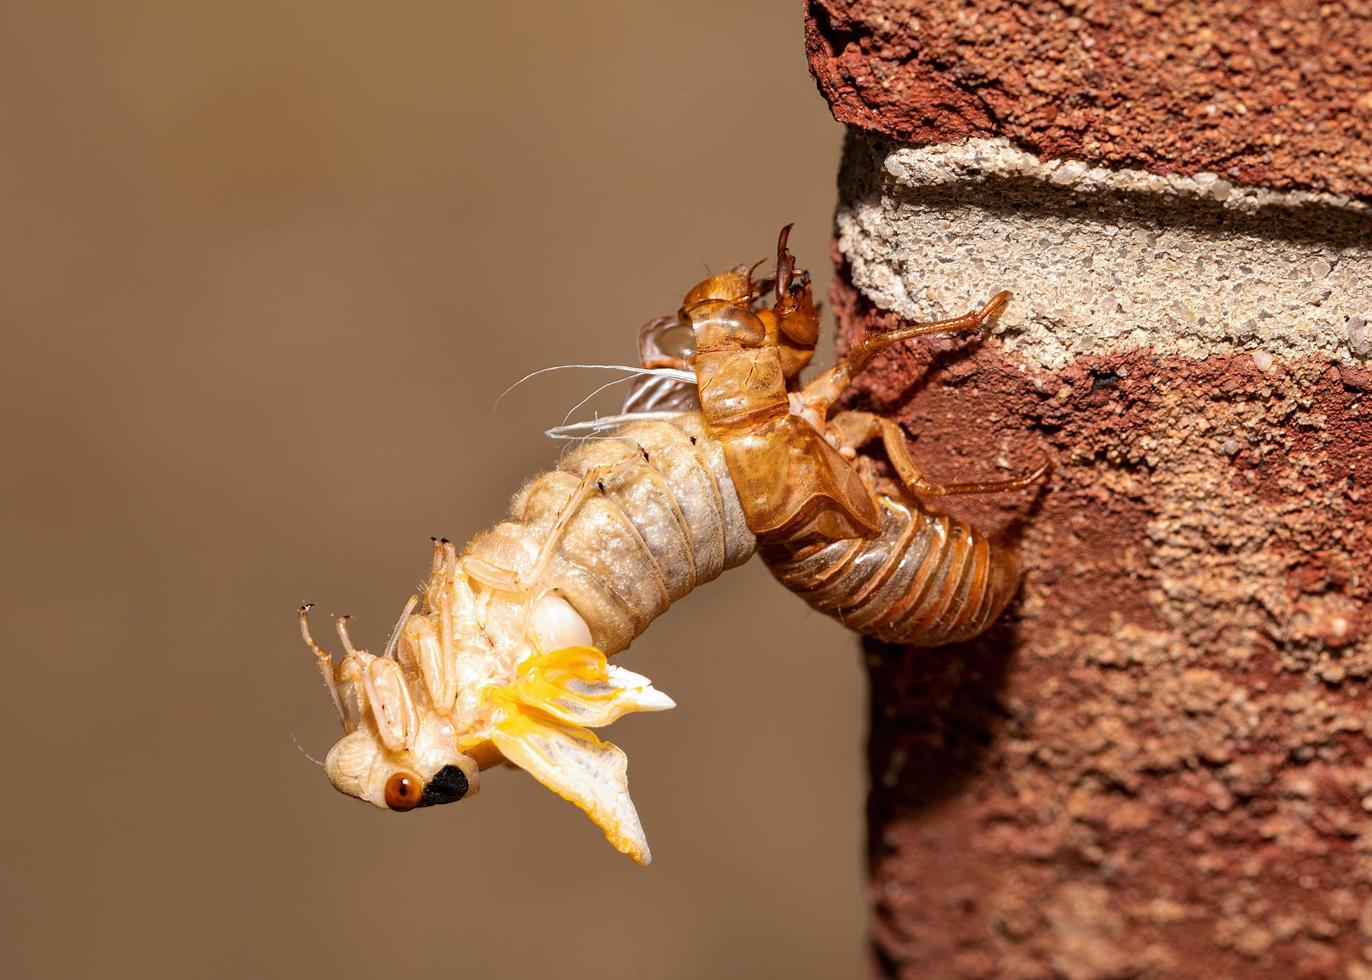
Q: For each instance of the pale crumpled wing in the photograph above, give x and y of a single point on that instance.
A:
(543, 727)
(578, 767)
(579, 686)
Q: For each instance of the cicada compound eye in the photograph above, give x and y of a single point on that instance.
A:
(404, 791)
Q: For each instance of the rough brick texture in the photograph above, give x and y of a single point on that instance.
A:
(1159, 765)
(1267, 93)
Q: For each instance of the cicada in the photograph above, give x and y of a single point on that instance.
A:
(721, 452)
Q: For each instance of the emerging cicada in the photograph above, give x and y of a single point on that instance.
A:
(721, 451)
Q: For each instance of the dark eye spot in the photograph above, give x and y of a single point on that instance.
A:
(403, 792)
(448, 786)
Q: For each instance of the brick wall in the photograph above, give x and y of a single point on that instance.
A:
(1159, 765)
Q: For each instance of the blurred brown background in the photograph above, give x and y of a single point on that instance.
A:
(266, 268)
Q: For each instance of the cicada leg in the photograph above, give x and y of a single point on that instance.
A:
(856, 429)
(824, 390)
(324, 662)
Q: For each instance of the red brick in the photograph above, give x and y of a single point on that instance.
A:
(1263, 93)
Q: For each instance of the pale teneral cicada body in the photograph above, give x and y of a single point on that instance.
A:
(503, 655)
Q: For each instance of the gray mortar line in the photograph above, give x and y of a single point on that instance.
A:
(1105, 260)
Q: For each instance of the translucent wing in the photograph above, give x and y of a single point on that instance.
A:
(545, 717)
(579, 767)
(578, 686)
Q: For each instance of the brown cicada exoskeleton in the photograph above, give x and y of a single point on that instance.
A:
(853, 545)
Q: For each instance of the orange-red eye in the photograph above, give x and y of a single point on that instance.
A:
(404, 791)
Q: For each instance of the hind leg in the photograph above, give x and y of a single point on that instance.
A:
(857, 429)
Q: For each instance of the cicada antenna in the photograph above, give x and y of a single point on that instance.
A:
(323, 660)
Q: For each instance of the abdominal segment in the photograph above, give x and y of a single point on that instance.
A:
(626, 525)
(924, 579)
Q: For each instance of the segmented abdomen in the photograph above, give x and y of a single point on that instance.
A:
(627, 524)
(924, 580)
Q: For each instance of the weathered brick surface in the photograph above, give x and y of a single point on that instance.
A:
(1159, 765)
(1266, 93)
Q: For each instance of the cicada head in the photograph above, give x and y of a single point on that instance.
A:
(397, 751)
(413, 738)
(731, 309)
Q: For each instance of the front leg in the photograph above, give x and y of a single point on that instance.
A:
(821, 393)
